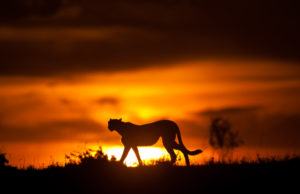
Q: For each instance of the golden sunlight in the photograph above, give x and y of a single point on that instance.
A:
(148, 154)
(146, 113)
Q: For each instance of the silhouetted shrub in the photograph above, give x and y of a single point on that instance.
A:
(3, 160)
(91, 158)
(222, 137)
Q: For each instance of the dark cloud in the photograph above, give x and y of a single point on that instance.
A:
(256, 127)
(230, 111)
(143, 33)
(57, 130)
(280, 130)
(277, 130)
(108, 100)
(12, 10)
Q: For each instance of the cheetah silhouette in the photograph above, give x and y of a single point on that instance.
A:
(147, 135)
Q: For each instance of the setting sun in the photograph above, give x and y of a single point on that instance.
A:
(148, 154)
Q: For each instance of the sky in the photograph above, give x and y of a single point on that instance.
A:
(67, 67)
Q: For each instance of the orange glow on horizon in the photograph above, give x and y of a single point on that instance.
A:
(178, 93)
(147, 154)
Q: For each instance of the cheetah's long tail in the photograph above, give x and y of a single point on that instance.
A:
(195, 152)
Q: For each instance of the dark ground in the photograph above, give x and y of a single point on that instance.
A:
(101, 176)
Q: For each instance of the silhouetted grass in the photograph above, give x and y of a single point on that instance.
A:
(92, 172)
(92, 159)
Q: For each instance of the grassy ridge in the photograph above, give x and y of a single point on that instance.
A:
(96, 174)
